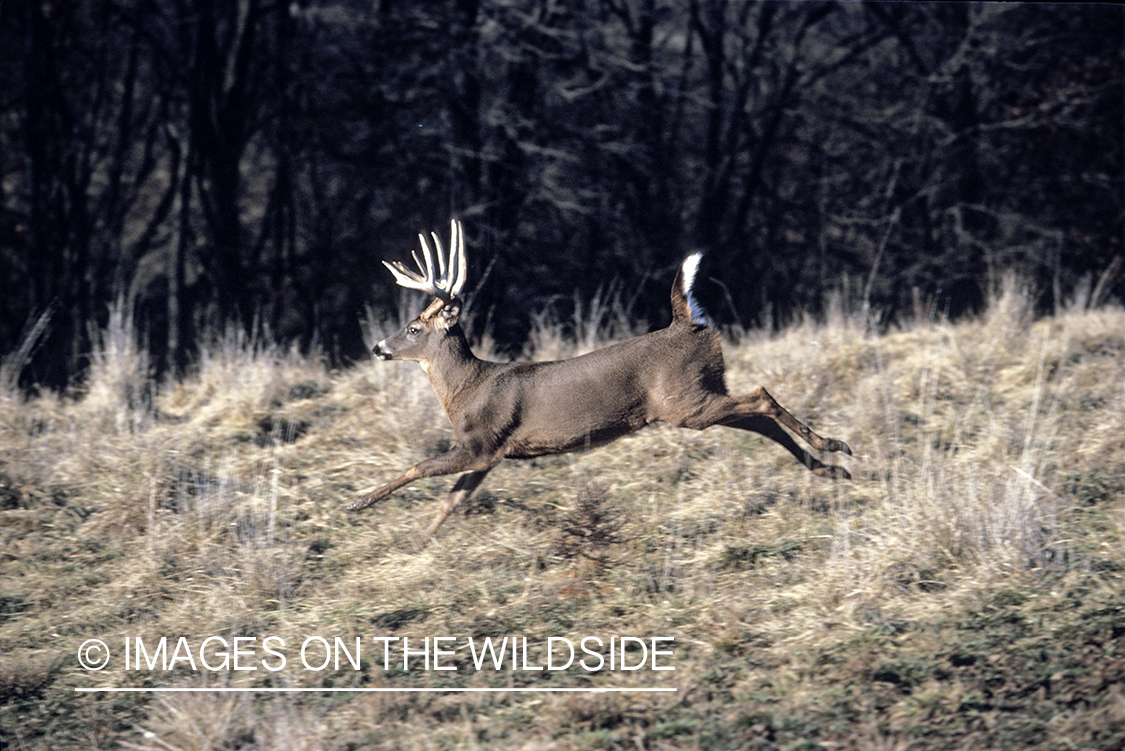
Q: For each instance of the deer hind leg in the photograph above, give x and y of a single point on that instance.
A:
(759, 402)
(759, 412)
(766, 426)
(464, 488)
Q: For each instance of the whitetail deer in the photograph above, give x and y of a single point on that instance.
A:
(527, 409)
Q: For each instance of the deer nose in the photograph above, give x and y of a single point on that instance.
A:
(380, 351)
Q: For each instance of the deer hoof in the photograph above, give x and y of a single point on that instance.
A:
(832, 472)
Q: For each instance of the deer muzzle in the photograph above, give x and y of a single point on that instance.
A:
(380, 351)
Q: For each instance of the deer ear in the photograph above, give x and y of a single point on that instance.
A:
(451, 312)
(443, 314)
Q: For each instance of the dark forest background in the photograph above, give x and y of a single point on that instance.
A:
(250, 162)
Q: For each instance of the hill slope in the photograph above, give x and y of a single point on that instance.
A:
(965, 591)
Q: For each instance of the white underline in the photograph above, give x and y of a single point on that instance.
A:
(611, 689)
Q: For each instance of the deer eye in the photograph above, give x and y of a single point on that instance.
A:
(413, 330)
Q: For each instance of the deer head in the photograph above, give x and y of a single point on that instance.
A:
(443, 277)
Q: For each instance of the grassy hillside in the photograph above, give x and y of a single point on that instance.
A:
(964, 591)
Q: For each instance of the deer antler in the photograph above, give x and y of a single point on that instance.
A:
(444, 286)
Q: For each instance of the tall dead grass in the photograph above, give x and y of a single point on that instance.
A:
(970, 436)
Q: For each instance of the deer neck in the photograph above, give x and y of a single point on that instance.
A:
(453, 370)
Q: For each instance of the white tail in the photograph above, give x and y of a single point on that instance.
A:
(523, 410)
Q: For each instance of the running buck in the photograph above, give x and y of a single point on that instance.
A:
(528, 409)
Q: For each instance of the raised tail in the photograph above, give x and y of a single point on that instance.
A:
(685, 308)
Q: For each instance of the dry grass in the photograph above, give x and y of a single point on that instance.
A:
(963, 592)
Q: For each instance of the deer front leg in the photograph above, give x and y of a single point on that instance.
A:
(464, 488)
(457, 459)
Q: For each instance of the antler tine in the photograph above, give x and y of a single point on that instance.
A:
(444, 285)
(407, 278)
(440, 255)
(458, 267)
(428, 253)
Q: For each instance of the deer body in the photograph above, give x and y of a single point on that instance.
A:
(532, 409)
(523, 410)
